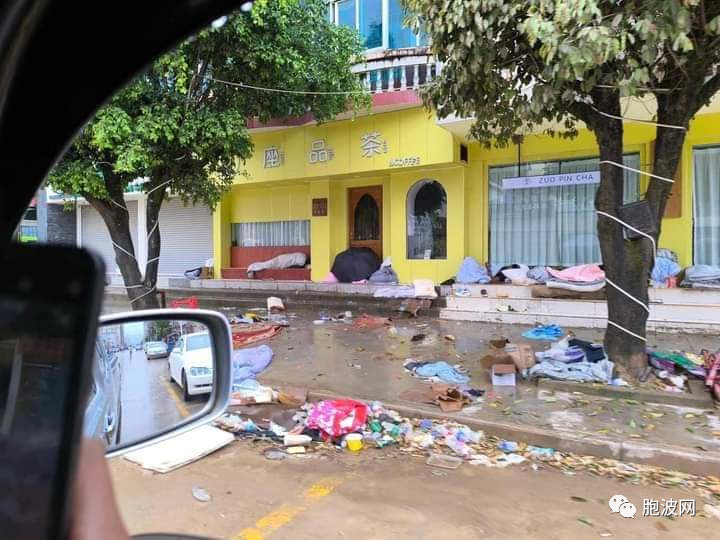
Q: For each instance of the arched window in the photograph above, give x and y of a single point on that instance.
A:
(427, 221)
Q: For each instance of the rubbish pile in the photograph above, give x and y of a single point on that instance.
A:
(351, 426)
(673, 369)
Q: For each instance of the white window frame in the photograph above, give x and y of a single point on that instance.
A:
(385, 19)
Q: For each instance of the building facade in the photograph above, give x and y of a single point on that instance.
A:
(418, 190)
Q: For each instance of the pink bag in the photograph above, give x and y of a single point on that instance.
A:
(338, 417)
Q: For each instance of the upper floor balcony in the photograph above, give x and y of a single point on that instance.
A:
(397, 70)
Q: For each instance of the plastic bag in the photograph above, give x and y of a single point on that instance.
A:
(338, 417)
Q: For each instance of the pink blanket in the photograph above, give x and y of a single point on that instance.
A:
(582, 273)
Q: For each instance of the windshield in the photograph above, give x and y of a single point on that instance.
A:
(464, 218)
(199, 341)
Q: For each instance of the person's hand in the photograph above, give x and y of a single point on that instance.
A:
(94, 513)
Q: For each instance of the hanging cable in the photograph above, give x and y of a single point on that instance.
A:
(620, 165)
(285, 91)
(636, 120)
(142, 296)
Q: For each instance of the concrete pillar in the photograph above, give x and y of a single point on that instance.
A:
(222, 233)
(320, 252)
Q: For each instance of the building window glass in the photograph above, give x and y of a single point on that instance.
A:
(427, 221)
(271, 234)
(706, 205)
(371, 23)
(400, 36)
(551, 226)
(346, 13)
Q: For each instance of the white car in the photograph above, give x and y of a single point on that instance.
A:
(155, 349)
(191, 364)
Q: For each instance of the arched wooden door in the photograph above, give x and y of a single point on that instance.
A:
(365, 218)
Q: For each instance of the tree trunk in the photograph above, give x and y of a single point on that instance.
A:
(154, 202)
(627, 263)
(117, 220)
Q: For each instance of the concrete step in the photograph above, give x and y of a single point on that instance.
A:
(575, 320)
(294, 300)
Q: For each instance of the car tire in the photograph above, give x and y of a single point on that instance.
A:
(170, 377)
(186, 394)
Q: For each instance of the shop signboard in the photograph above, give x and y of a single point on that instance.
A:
(551, 180)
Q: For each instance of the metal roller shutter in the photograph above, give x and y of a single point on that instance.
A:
(95, 235)
(186, 236)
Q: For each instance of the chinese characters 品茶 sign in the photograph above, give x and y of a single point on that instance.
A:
(372, 144)
(551, 180)
(319, 153)
(273, 157)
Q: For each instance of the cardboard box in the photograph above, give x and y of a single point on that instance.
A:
(496, 356)
(207, 272)
(503, 375)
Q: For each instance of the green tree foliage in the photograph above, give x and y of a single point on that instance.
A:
(184, 132)
(522, 65)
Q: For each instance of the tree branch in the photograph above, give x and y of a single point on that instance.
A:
(708, 90)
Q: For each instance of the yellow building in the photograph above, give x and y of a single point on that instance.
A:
(417, 190)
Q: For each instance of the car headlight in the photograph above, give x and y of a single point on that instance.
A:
(198, 371)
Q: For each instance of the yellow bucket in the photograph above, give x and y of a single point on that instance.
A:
(354, 442)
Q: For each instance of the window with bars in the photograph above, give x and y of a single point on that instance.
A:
(271, 233)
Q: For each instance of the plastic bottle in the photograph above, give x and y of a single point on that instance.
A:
(459, 447)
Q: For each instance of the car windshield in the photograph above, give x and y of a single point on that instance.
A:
(199, 341)
(501, 216)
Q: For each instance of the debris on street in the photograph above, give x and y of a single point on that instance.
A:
(171, 454)
(201, 495)
(446, 444)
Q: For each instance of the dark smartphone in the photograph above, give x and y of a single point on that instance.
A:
(50, 298)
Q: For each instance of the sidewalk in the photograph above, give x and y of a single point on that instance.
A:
(336, 359)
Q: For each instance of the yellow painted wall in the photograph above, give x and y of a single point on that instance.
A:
(285, 193)
(221, 234)
(453, 181)
(270, 203)
(409, 133)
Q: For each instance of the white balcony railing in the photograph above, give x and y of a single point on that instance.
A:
(397, 70)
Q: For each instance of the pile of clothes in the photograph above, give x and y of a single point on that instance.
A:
(572, 359)
(582, 278)
(702, 276)
(665, 269)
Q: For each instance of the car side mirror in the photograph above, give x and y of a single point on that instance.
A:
(142, 393)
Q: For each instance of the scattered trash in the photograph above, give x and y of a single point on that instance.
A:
(711, 511)
(575, 498)
(508, 446)
(417, 337)
(549, 332)
(438, 371)
(371, 322)
(199, 494)
(171, 454)
(354, 442)
(273, 454)
(412, 306)
(275, 305)
(290, 439)
(293, 450)
(503, 375)
(443, 461)
(338, 417)
(450, 337)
